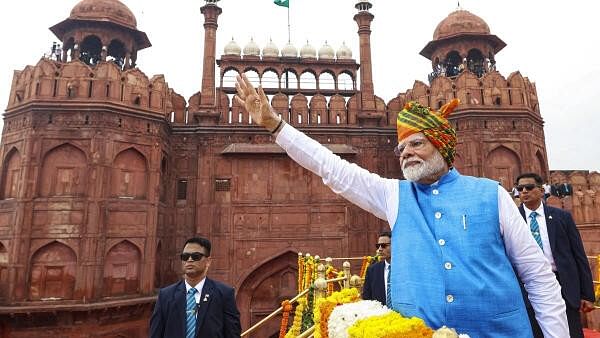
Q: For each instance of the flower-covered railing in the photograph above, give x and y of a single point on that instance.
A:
(315, 281)
(328, 305)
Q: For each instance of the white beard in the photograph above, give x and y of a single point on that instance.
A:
(424, 169)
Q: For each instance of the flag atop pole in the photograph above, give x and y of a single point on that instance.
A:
(286, 4)
(282, 3)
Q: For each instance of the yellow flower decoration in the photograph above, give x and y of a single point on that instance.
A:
(325, 306)
(391, 325)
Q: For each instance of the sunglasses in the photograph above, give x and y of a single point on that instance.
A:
(527, 187)
(196, 256)
(382, 245)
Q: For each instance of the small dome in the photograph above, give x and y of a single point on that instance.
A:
(104, 10)
(326, 52)
(308, 51)
(270, 49)
(343, 53)
(289, 51)
(232, 48)
(252, 49)
(460, 22)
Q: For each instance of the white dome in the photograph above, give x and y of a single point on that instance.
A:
(270, 49)
(343, 53)
(232, 48)
(308, 51)
(289, 51)
(252, 48)
(326, 52)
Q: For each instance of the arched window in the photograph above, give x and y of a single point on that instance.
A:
(503, 165)
(289, 80)
(228, 79)
(116, 53)
(129, 175)
(63, 172)
(270, 79)
(121, 270)
(326, 81)
(252, 75)
(453, 64)
(476, 62)
(90, 51)
(52, 273)
(308, 80)
(345, 82)
(10, 174)
(3, 272)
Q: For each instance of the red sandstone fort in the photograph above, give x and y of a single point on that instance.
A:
(106, 171)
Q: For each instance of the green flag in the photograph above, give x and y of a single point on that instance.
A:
(282, 3)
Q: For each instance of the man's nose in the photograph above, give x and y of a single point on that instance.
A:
(407, 152)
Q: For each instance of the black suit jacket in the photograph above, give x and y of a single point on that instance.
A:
(571, 262)
(218, 315)
(374, 287)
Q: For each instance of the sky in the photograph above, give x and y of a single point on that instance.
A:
(553, 43)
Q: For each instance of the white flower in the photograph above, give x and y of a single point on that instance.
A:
(345, 315)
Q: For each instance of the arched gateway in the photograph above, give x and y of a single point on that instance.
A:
(264, 289)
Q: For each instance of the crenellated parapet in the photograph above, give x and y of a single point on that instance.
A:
(78, 83)
(490, 91)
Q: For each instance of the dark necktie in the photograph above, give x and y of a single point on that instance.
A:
(388, 289)
(535, 229)
(190, 311)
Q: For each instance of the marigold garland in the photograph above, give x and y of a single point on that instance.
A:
(391, 325)
(330, 273)
(309, 270)
(325, 306)
(297, 323)
(287, 307)
(363, 266)
(300, 273)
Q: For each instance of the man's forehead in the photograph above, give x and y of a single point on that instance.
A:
(383, 239)
(412, 137)
(193, 247)
(525, 180)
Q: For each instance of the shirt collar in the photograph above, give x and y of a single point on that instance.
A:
(198, 286)
(539, 210)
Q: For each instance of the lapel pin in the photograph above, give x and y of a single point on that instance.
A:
(206, 298)
(550, 217)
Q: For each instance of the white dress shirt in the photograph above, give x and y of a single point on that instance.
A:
(198, 288)
(380, 196)
(541, 219)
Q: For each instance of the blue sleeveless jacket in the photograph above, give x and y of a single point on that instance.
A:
(449, 265)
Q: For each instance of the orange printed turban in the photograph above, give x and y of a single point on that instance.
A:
(416, 118)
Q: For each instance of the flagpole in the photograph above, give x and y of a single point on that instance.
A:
(289, 35)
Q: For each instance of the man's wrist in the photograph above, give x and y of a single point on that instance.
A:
(278, 126)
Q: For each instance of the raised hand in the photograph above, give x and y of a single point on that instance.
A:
(256, 103)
